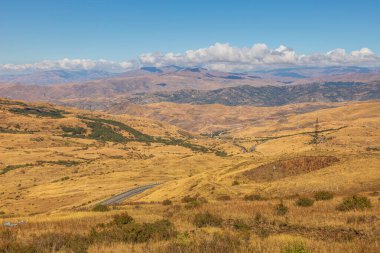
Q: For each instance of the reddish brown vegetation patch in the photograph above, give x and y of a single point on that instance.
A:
(290, 167)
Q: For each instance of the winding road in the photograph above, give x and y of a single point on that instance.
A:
(124, 195)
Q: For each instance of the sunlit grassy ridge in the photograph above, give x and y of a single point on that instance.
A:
(288, 192)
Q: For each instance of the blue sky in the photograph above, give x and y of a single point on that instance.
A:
(117, 30)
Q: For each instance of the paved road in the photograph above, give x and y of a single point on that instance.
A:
(124, 195)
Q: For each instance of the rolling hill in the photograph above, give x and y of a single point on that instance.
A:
(51, 152)
(58, 163)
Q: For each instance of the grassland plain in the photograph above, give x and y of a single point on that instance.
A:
(234, 192)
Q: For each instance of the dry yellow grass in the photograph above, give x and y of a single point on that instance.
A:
(54, 179)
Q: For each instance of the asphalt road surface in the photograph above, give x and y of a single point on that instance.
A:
(124, 195)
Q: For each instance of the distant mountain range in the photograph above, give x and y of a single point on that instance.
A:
(101, 90)
(267, 95)
(55, 77)
(148, 75)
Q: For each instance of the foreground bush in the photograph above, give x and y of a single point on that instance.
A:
(354, 203)
(207, 219)
(304, 202)
(167, 202)
(122, 219)
(47, 242)
(219, 243)
(323, 195)
(224, 198)
(240, 225)
(281, 209)
(296, 247)
(139, 233)
(100, 208)
(193, 202)
(122, 229)
(253, 197)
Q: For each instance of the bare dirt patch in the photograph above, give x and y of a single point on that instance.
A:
(289, 167)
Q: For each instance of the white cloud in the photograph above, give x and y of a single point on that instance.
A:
(70, 64)
(220, 56)
(225, 57)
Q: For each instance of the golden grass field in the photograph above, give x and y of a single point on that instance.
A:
(51, 177)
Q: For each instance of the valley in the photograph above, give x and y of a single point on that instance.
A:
(58, 164)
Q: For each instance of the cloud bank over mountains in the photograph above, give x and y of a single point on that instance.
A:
(220, 56)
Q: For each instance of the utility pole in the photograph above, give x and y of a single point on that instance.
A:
(316, 133)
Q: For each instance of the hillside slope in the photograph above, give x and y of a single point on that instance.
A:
(268, 95)
(55, 158)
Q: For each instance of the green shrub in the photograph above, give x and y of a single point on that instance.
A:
(281, 209)
(323, 195)
(47, 242)
(235, 182)
(253, 197)
(240, 225)
(74, 131)
(304, 202)
(221, 242)
(193, 202)
(60, 242)
(14, 167)
(224, 198)
(122, 219)
(354, 203)
(139, 136)
(67, 163)
(100, 208)
(103, 132)
(207, 219)
(37, 139)
(220, 153)
(167, 202)
(295, 247)
(64, 242)
(39, 112)
(188, 199)
(139, 233)
(260, 219)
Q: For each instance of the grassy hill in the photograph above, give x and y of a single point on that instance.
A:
(53, 157)
(274, 185)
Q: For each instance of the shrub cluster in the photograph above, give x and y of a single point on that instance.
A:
(323, 195)
(295, 247)
(100, 208)
(224, 198)
(39, 112)
(122, 219)
(253, 197)
(207, 219)
(73, 131)
(304, 202)
(281, 209)
(221, 242)
(193, 202)
(354, 203)
(167, 202)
